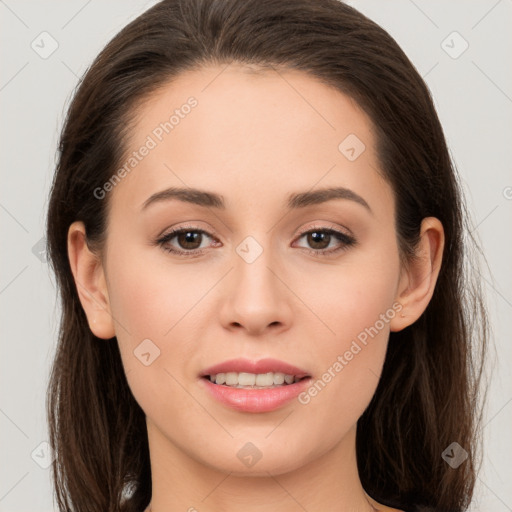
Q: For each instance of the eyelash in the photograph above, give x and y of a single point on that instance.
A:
(346, 240)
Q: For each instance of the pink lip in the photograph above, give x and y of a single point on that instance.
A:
(261, 366)
(255, 400)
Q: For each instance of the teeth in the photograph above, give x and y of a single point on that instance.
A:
(231, 379)
(247, 379)
(278, 378)
(265, 379)
(262, 380)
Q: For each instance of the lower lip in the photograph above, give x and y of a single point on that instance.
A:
(256, 400)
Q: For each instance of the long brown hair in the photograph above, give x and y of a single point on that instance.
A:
(428, 395)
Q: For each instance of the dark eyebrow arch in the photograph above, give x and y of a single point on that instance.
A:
(303, 199)
(295, 200)
(187, 195)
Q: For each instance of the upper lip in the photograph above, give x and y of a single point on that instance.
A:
(256, 367)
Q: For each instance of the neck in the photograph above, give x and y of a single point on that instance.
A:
(182, 483)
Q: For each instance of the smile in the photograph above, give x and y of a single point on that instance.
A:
(247, 380)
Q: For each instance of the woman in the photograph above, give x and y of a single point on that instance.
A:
(257, 232)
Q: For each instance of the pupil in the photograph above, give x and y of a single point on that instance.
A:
(317, 238)
(189, 237)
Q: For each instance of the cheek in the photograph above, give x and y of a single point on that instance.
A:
(152, 307)
(151, 303)
(355, 305)
(149, 296)
(350, 298)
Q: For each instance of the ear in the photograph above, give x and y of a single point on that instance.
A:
(418, 280)
(90, 281)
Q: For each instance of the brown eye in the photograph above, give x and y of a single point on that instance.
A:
(188, 241)
(318, 241)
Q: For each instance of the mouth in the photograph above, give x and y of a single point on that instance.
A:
(250, 374)
(254, 386)
(246, 380)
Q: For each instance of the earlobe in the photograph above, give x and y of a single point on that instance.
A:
(90, 282)
(418, 280)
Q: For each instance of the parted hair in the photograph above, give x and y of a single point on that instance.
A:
(430, 391)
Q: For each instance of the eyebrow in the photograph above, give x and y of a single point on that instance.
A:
(295, 200)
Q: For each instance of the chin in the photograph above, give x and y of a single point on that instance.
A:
(262, 468)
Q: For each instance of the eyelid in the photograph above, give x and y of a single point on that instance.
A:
(171, 233)
(326, 227)
(346, 240)
(188, 225)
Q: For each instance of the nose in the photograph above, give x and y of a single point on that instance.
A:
(256, 298)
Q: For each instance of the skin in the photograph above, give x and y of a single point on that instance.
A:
(254, 138)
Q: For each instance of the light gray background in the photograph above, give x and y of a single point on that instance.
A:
(473, 95)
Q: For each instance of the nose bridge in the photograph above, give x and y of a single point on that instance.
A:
(257, 294)
(252, 272)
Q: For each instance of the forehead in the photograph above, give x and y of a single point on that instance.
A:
(263, 130)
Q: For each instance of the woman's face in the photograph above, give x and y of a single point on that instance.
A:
(259, 276)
